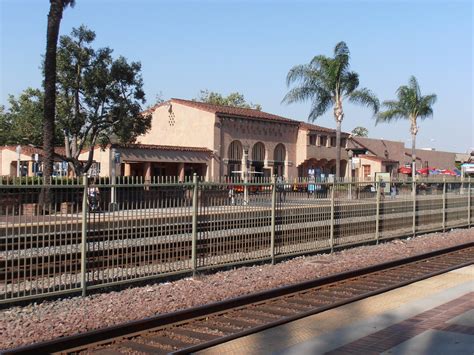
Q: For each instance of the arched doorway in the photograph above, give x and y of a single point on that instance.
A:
(234, 155)
(258, 157)
(279, 157)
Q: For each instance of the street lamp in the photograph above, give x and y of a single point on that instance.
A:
(18, 167)
(245, 170)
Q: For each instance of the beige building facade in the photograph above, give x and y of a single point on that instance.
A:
(218, 142)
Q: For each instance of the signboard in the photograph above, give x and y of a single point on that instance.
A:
(468, 168)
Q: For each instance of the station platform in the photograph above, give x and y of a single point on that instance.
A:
(433, 316)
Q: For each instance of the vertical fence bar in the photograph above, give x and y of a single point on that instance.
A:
(84, 237)
(377, 212)
(331, 237)
(273, 216)
(444, 204)
(414, 206)
(194, 227)
(469, 202)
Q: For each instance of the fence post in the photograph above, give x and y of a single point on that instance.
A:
(273, 217)
(331, 240)
(377, 212)
(414, 206)
(85, 182)
(444, 204)
(469, 202)
(194, 230)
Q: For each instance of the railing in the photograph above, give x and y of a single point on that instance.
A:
(59, 238)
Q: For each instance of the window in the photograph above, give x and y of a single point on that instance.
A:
(235, 151)
(323, 140)
(366, 170)
(312, 140)
(333, 141)
(343, 142)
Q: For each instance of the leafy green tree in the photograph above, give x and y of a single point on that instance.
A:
(327, 82)
(360, 132)
(54, 20)
(411, 105)
(22, 122)
(234, 99)
(100, 97)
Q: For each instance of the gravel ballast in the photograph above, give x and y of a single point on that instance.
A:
(50, 319)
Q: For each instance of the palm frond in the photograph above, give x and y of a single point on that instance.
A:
(413, 84)
(349, 82)
(320, 105)
(300, 93)
(297, 73)
(390, 115)
(365, 97)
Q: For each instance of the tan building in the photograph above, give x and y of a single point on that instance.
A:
(26, 161)
(273, 144)
(214, 141)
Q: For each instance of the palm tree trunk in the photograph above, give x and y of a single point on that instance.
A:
(54, 20)
(338, 149)
(413, 156)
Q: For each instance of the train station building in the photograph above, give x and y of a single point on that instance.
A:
(215, 142)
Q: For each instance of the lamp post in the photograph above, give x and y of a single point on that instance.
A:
(245, 172)
(115, 159)
(18, 164)
(350, 154)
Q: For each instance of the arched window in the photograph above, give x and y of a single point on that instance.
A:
(235, 151)
(279, 155)
(234, 155)
(258, 152)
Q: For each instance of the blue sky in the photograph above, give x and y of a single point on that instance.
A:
(249, 46)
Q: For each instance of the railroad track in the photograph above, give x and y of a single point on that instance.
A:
(154, 244)
(201, 327)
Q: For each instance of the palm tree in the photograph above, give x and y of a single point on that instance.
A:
(54, 20)
(327, 82)
(411, 105)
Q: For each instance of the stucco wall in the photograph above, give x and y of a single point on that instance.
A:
(375, 167)
(100, 156)
(301, 146)
(184, 126)
(7, 158)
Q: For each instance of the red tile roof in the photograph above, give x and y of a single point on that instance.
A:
(375, 158)
(29, 150)
(234, 111)
(314, 127)
(244, 113)
(162, 147)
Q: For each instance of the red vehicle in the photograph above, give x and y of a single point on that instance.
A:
(253, 178)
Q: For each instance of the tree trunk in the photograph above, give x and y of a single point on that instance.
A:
(54, 20)
(338, 149)
(414, 131)
(413, 156)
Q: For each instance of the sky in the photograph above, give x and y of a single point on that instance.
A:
(249, 47)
